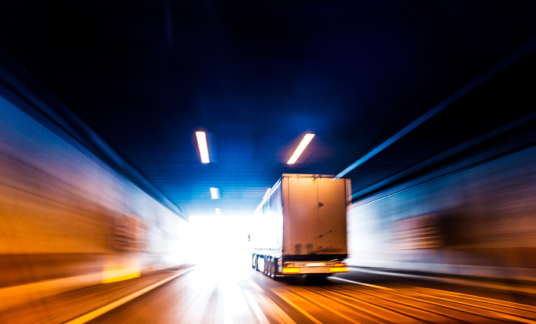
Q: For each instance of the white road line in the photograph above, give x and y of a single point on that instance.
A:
(99, 311)
(465, 282)
(273, 307)
(298, 308)
(260, 315)
(359, 283)
(326, 307)
(257, 287)
(227, 311)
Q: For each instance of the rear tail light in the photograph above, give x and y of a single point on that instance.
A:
(339, 264)
(339, 269)
(291, 270)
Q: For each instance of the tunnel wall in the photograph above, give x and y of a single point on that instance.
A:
(477, 221)
(68, 220)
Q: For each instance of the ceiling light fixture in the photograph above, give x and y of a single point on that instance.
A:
(299, 150)
(215, 193)
(267, 192)
(203, 147)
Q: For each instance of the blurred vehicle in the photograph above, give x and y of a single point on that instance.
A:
(301, 227)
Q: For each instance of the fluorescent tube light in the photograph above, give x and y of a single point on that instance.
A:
(299, 150)
(215, 193)
(266, 194)
(218, 211)
(203, 147)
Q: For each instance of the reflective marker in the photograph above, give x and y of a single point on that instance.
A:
(299, 150)
(203, 147)
(215, 193)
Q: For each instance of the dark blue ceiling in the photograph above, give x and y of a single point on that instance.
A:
(257, 75)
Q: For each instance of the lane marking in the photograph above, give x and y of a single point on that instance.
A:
(272, 305)
(360, 283)
(227, 310)
(106, 308)
(464, 282)
(328, 308)
(257, 287)
(260, 315)
(278, 310)
(309, 316)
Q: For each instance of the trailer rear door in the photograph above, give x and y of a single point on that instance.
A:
(301, 223)
(331, 216)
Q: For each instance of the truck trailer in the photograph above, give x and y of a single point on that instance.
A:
(300, 227)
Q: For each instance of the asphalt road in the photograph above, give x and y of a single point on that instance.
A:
(218, 294)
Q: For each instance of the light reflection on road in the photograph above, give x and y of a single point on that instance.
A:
(220, 293)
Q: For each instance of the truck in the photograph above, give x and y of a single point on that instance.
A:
(300, 227)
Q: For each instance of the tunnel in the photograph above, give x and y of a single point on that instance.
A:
(267, 162)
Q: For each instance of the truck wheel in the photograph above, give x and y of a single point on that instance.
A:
(265, 266)
(257, 263)
(269, 267)
(273, 268)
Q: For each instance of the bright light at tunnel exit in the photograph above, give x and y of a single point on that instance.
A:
(203, 147)
(299, 150)
(212, 238)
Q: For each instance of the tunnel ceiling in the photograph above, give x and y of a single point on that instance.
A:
(257, 75)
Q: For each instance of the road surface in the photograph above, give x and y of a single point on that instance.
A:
(210, 295)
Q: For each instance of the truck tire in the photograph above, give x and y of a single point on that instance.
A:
(256, 263)
(253, 261)
(265, 266)
(273, 268)
(269, 267)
